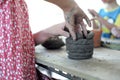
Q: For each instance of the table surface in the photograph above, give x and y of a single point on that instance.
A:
(105, 64)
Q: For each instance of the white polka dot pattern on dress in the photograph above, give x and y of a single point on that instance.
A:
(17, 60)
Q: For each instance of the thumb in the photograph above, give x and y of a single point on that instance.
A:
(65, 33)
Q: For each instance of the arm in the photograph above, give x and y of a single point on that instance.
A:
(65, 5)
(105, 22)
(55, 30)
(100, 19)
(113, 28)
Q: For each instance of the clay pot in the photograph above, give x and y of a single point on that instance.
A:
(82, 48)
(97, 37)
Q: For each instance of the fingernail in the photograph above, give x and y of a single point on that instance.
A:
(74, 38)
(68, 35)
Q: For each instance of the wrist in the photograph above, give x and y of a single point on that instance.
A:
(70, 8)
(41, 37)
(69, 5)
(45, 35)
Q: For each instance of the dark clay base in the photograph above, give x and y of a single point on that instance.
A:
(80, 49)
(53, 43)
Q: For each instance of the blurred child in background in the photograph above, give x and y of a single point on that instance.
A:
(108, 20)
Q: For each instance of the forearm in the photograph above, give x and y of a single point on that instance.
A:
(106, 23)
(113, 28)
(65, 5)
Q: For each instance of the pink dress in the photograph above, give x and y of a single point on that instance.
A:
(17, 48)
(17, 60)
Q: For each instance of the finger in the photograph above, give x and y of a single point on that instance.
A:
(83, 26)
(91, 12)
(92, 19)
(88, 21)
(65, 33)
(79, 28)
(71, 30)
(80, 19)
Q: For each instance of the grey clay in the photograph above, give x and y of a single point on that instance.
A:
(82, 48)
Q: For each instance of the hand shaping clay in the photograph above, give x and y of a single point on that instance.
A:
(53, 43)
(82, 48)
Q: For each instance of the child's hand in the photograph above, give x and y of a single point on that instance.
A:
(57, 30)
(115, 32)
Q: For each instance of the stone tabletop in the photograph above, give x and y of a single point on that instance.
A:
(105, 64)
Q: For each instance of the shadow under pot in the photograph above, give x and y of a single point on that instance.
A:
(82, 48)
